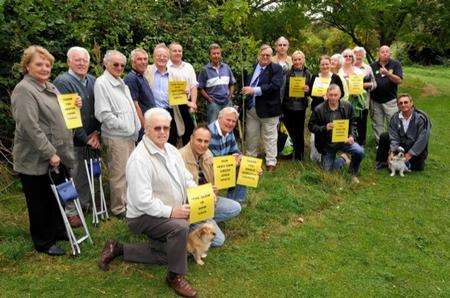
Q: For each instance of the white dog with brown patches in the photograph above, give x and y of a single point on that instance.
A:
(199, 241)
(397, 162)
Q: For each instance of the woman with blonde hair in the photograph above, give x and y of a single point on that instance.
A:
(41, 140)
(294, 108)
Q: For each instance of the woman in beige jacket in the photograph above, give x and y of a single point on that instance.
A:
(41, 139)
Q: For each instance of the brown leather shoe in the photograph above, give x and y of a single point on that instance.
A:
(109, 253)
(270, 168)
(181, 286)
(75, 221)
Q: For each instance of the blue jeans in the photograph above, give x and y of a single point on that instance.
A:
(226, 209)
(237, 193)
(330, 162)
(214, 108)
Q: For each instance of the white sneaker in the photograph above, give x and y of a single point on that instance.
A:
(355, 180)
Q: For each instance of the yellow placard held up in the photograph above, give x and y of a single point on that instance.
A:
(320, 86)
(71, 113)
(340, 131)
(177, 93)
(224, 171)
(355, 84)
(296, 87)
(201, 201)
(249, 171)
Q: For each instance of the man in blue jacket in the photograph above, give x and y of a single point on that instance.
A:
(263, 106)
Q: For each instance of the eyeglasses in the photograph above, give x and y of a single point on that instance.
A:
(348, 56)
(400, 103)
(161, 128)
(119, 64)
(282, 44)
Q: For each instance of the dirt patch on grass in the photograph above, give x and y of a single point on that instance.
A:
(429, 90)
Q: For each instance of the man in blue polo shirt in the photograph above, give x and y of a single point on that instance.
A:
(383, 99)
(224, 143)
(216, 83)
(140, 90)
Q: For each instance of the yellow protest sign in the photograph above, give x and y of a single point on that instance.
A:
(249, 171)
(201, 201)
(71, 113)
(177, 93)
(224, 171)
(340, 131)
(296, 85)
(320, 86)
(355, 84)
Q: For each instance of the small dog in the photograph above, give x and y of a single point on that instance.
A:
(199, 241)
(397, 162)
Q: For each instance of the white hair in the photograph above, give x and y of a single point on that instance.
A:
(79, 50)
(360, 49)
(111, 53)
(280, 39)
(137, 51)
(339, 58)
(348, 52)
(148, 116)
(228, 110)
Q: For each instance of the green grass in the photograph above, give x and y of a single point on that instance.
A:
(385, 237)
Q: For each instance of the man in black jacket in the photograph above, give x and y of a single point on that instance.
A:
(321, 124)
(264, 106)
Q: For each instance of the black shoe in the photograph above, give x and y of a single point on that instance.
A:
(121, 216)
(54, 251)
(380, 165)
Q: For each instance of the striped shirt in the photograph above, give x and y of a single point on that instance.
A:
(220, 144)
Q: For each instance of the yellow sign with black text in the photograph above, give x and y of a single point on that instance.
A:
(71, 113)
(201, 201)
(177, 93)
(340, 131)
(249, 171)
(224, 171)
(296, 87)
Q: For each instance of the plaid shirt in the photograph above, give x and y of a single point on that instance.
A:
(222, 145)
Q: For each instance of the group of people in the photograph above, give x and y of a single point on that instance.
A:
(148, 175)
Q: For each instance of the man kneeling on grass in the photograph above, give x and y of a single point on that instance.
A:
(321, 124)
(409, 128)
(156, 195)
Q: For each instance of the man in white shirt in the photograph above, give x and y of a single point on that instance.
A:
(157, 204)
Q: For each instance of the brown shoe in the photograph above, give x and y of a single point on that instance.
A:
(109, 253)
(75, 221)
(270, 168)
(181, 286)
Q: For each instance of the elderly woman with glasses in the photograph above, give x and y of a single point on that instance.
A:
(358, 101)
(41, 139)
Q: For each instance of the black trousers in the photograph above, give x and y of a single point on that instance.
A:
(188, 125)
(295, 125)
(361, 127)
(384, 144)
(46, 223)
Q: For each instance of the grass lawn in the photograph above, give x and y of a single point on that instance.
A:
(385, 237)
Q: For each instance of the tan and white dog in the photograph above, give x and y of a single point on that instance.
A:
(199, 241)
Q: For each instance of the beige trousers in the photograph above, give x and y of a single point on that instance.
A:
(264, 129)
(118, 151)
(381, 114)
